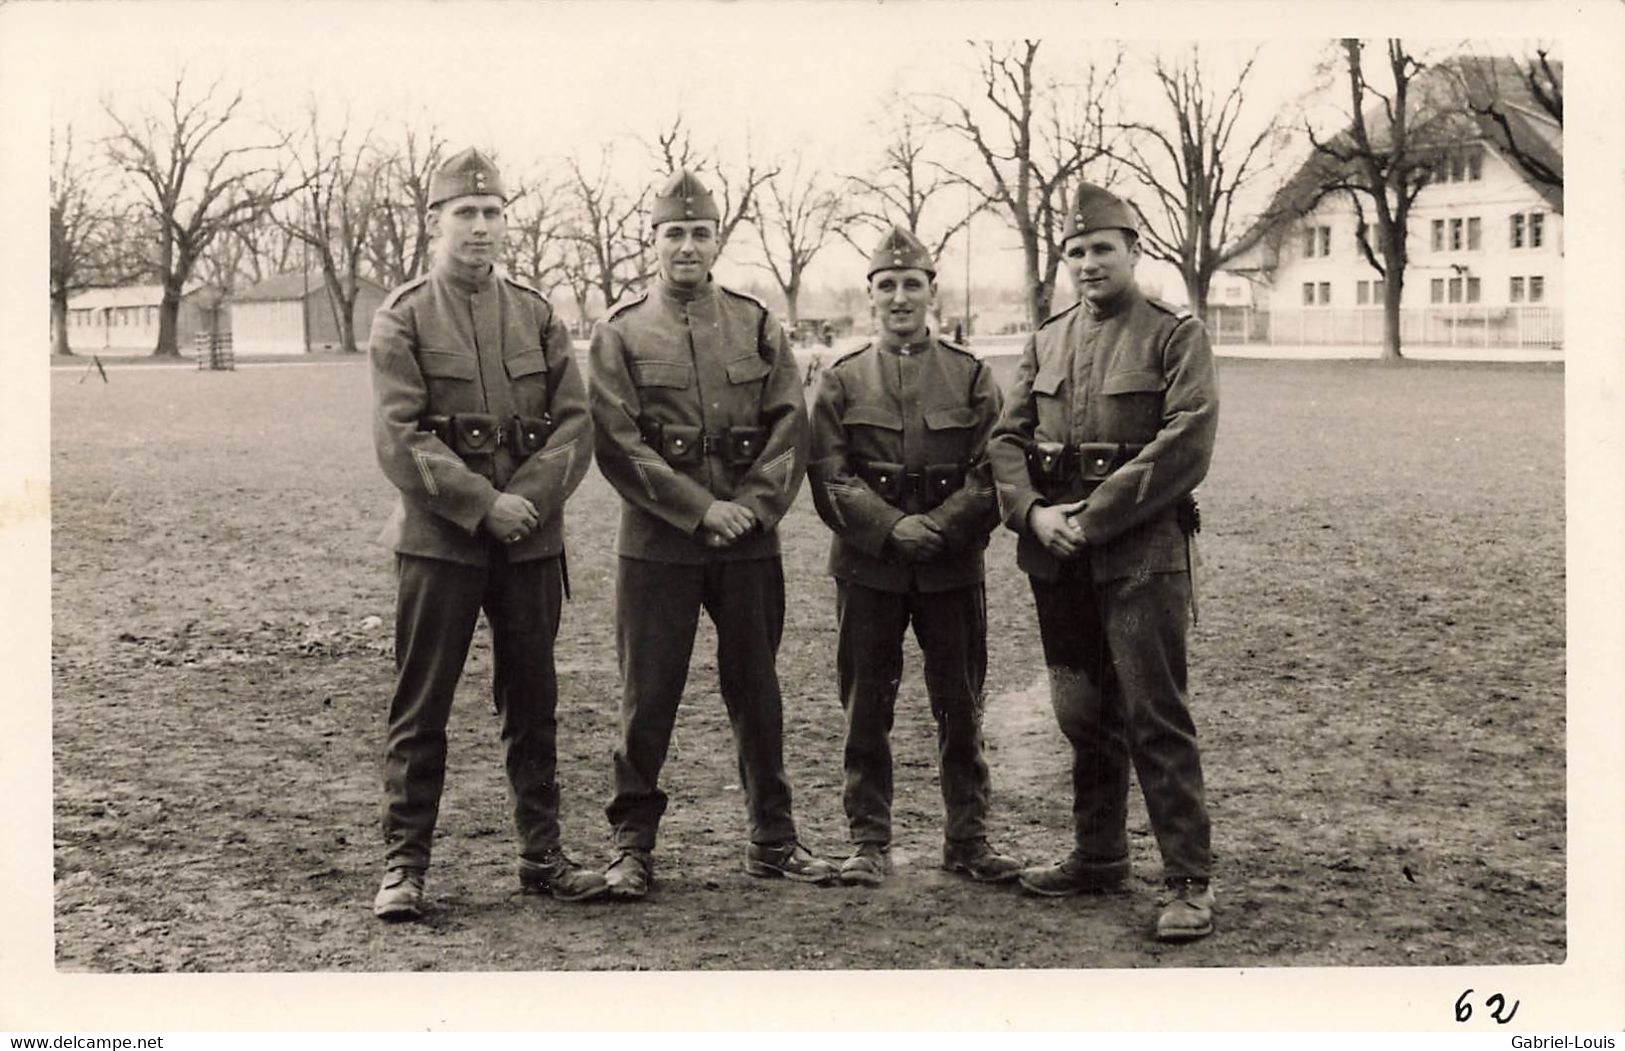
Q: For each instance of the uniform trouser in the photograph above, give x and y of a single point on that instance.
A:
(657, 610)
(1116, 656)
(951, 627)
(438, 605)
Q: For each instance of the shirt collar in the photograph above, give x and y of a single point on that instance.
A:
(463, 278)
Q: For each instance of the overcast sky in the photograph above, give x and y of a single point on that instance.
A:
(537, 82)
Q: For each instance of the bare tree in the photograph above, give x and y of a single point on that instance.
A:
(332, 214)
(535, 249)
(398, 247)
(577, 276)
(1194, 164)
(193, 186)
(94, 240)
(899, 191)
(1034, 136)
(608, 225)
(736, 191)
(1517, 98)
(796, 222)
(1383, 161)
(267, 249)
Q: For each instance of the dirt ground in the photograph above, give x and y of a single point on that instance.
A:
(1377, 681)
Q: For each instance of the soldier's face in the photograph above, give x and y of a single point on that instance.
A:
(901, 300)
(470, 229)
(685, 250)
(1101, 263)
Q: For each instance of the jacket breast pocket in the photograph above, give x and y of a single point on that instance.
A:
(750, 369)
(669, 375)
(873, 432)
(450, 377)
(949, 433)
(1132, 403)
(527, 374)
(1051, 406)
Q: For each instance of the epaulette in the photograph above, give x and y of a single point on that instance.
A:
(515, 282)
(851, 354)
(625, 303)
(398, 291)
(957, 348)
(1059, 314)
(1179, 313)
(744, 295)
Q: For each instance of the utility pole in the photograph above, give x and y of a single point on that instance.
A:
(304, 276)
(968, 225)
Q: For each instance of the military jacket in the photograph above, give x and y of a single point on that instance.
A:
(441, 345)
(1140, 374)
(929, 406)
(695, 367)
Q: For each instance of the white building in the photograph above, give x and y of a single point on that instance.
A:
(1485, 248)
(293, 313)
(124, 320)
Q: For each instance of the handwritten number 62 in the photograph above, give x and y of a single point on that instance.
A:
(1495, 1003)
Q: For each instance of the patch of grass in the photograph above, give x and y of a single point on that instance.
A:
(1377, 678)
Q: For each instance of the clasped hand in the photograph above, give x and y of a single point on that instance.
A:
(1056, 530)
(917, 538)
(725, 523)
(511, 518)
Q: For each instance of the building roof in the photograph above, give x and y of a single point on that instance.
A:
(1476, 79)
(128, 296)
(293, 285)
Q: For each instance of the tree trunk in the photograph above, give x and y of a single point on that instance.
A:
(59, 325)
(1393, 289)
(792, 292)
(168, 325)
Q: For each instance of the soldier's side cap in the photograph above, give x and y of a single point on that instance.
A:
(900, 250)
(683, 197)
(1095, 208)
(466, 174)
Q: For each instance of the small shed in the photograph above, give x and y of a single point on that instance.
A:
(294, 313)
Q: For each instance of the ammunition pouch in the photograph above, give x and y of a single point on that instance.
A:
(684, 445)
(528, 434)
(470, 434)
(913, 492)
(1055, 466)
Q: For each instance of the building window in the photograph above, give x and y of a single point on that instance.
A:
(1438, 290)
(1516, 293)
(1325, 292)
(1475, 234)
(1458, 167)
(1455, 290)
(1362, 293)
(1472, 290)
(1455, 235)
(1308, 293)
(1537, 226)
(1475, 164)
(1537, 289)
(1517, 230)
(1317, 240)
(1325, 240)
(1379, 290)
(1438, 235)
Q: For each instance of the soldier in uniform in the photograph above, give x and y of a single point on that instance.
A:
(1108, 429)
(701, 428)
(899, 472)
(480, 420)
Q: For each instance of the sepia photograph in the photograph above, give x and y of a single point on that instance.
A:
(760, 493)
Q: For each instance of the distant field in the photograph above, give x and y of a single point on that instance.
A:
(1377, 681)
